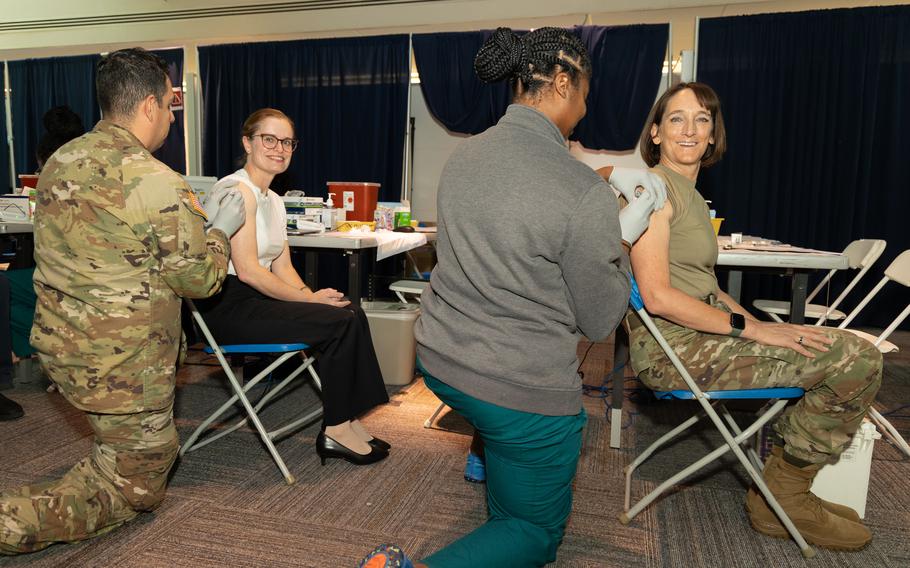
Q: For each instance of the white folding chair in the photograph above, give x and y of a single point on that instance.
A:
(413, 287)
(898, 271)
(733, 440)
(284, 352)
(861, 253)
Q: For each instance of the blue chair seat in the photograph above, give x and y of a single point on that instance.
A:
(780, 392)
(259, 348)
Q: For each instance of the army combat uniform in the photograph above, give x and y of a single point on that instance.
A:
(119, 239)
(840, 384)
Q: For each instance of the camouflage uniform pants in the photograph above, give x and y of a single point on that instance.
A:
(126, 474)
(840, 385)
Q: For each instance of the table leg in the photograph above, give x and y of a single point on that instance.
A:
(735, 284)
(311, 268)
(354, 276)
(617, 375)
(799, 284)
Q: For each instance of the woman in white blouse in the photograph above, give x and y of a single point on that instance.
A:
(264, 300)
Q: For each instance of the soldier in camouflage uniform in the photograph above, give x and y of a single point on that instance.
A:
(119, 238)
(724, 347)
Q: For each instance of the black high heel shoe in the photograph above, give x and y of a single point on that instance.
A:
(328, 448)
(380, 443)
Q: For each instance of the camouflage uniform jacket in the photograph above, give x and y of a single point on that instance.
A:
(118, 241)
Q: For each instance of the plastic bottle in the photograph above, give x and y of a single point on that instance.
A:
(328, 213)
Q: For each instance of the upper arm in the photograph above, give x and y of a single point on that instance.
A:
(244, 245)
(651, 255)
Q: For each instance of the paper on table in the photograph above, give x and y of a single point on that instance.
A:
(768, 247)
(388, 243)
(391, 243)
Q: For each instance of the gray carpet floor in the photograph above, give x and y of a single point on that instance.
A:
(228, 504)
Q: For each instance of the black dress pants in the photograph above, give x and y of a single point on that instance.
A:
(351, 380)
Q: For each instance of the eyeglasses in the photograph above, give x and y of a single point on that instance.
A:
(269, 141)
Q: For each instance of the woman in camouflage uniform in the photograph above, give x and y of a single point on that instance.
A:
(725, 347)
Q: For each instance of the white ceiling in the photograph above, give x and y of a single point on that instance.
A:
(55, 10)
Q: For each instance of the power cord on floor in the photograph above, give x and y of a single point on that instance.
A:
(635, 394)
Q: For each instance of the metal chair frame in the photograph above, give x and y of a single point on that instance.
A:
(898, 271)
(733, 440)
(285, 351)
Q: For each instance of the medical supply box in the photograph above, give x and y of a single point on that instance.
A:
(392, 328)
(302, 208)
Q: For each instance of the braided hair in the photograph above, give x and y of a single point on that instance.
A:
(532, 59)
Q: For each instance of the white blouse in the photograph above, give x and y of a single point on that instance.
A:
(271, 220)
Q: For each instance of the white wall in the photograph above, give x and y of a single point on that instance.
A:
(432, 146)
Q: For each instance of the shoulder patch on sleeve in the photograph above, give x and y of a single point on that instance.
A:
(195, 206)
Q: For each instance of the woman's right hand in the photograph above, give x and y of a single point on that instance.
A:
(329, 296)
(795, 337)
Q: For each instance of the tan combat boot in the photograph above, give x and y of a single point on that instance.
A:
(816, 522)
(839, 510)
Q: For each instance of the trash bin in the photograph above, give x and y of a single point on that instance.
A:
(847, 481)
(392, 328)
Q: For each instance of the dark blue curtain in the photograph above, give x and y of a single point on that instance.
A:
(347, 97)
(453, 93)
(815, 105)
(173, 151)
(627, 63)
(40, 84)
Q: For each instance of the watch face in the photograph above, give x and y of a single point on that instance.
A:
(738, 321)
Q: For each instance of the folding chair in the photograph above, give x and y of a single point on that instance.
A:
(733, 440)
(898, 271)
(284, 351)
(402, 287)
(861, 253)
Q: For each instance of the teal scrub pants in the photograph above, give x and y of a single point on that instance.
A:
(22, 309)
(530, 462)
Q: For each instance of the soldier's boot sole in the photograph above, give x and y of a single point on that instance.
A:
(776, 529)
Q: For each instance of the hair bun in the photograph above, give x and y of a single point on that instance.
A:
(501, 57)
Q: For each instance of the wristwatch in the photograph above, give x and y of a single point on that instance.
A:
(738, 324)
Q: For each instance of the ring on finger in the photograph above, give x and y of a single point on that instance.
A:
(800, 340)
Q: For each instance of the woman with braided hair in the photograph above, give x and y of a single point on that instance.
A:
(533, 254)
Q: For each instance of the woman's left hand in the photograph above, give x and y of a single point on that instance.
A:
(329, 296)
(796, 337)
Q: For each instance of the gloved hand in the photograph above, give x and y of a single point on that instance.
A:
(627, 180)
(633, 219)
(230, 214)
(213, 199)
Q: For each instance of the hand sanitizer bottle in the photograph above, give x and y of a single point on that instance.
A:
(328, 214)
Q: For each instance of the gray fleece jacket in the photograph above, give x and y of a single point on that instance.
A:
(529, 260)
